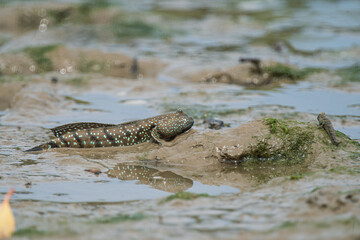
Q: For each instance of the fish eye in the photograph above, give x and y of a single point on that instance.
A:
(179, 110)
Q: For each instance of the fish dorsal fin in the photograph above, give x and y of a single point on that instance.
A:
(60, 130)
(128, 123)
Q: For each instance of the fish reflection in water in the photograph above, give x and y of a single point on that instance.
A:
(165, 181)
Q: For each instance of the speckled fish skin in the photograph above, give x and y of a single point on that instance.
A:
(89, 135)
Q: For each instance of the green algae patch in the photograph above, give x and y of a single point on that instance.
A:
(322, 224)
(3, 41)
(224, 48)
(296, 176)
(274, 125)
(77, 101)
(280, 39)
(185, 196)
(60, 15)
(83, 13)
(76, 81)
(198, 111)
(351, 221)
(129, 28)
(350, 74)
(95, 3)
(38, 55)
(355, 156)
(88, 65)
(282, 71)
(228, 9)
(26, 162)
(29, 232)
(355, 171)
(287, 224)
(292, 143)
(121, 218)
(78, 13)
(180, 14)
(14, 78)
(33, 232)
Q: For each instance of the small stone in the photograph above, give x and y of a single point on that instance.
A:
(54, 80)
(214, 123)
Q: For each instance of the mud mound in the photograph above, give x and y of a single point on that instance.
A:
(259, 150)
(65, 60)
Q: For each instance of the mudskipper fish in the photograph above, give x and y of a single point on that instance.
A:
(89, 134)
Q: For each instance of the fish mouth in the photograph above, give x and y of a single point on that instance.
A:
(189, 125)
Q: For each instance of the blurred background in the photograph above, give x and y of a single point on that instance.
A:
(192, 51)
(314, 44)
(113, 61)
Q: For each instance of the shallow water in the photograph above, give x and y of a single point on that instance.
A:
(105, 190)
(187, 36)
(104, 107)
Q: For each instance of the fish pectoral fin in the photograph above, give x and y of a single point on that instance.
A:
(60, 130)
(155, 136)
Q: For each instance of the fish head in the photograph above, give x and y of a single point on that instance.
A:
(173, 124)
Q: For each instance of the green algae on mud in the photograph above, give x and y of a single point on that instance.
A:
(295, 143)
(26, 162)
(298, 225)
(297, 139)
(80, 13)
(185, 196)
(121, 218)
(90, 65)
(77, 101)
(33, 232)
(346, 170)
(282, 37)
(198, 111)
(126, 27)
(227, 10)
(38, 55)
(14, 78)
(349, 74)
(95, 4)
(282, 71)
(296, 176)
(180, 14)
(76, 81)
(29, 232)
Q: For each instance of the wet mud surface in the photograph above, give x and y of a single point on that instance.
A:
(254, 165)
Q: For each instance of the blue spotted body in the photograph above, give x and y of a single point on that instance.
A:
(89, 135)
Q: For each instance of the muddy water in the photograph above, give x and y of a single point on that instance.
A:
(101, 193)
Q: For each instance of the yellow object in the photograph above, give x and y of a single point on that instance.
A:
(7, 220)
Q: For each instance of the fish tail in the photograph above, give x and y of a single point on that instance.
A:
(37, 148)
(41, 147)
